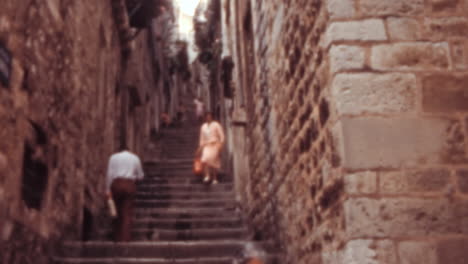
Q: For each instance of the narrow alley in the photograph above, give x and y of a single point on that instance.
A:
(233, 131)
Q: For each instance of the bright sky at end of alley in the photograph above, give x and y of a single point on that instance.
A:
(188, 6)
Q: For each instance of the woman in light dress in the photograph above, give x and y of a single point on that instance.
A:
(211, 144)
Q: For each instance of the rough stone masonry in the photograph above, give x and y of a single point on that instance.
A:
(357, 129)
(60, 118)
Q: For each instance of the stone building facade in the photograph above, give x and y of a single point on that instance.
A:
(356, 127)
(67, 104)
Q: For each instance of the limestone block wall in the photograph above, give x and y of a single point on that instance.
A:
(396, 71)
(357, 127)
(60, 119)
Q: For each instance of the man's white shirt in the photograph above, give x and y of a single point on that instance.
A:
(124, 165)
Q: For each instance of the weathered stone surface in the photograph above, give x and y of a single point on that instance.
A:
(378, 142)
(363, 30)
(415, 252)
(460, 55)
(447, 27)
(405, 217)
(445, 93)
(411, 56)
(361, 182)
(410, 182)
(452, 251)
(341, 8)
(344, 58)
(3, 163)
(332, 257)
(444, 5)
(60, 117)
(395, 7)
(360, 93)
(403, 28)
(462, 180)
(370, 252)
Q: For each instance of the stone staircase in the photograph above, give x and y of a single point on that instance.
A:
(178, 219)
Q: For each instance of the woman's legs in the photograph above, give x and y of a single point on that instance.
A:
(214, 175)
(211, 174)
(206, 169)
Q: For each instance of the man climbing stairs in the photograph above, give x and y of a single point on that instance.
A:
(178, 219)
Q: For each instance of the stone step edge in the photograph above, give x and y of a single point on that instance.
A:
(143, 260)
(156, 260)
(242, 230)
(227, 242)
(190, 220)
(182, 201)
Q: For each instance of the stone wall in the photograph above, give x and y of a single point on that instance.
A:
(61, 116)
(357, 126)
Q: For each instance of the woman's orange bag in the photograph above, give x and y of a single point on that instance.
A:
(197, 167)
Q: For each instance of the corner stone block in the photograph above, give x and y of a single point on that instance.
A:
(394, 7)
(444, 5)
(405, 217)
(460, 55)
(361, 182)
(3, 163)
(401, 28)
(344, 58)
(359, 93)
(341, 8)
(332, 257)
(417, 252)
(428, 180)
(453, 251)
(370, 252)
(363, 30)
(410, 56)
(447, 27)
(462, 179)
(373, 142)
(445, 93)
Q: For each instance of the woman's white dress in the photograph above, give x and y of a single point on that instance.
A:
(211, 141)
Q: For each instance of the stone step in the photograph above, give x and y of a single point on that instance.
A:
(180, 150)
(174, 173)
(185, 213)
(187, 178)
(181, 224)
(172, 163)
(180, 135)
(149, 234)
(158, 249)
(184, 195)
(217, 260)
(158, 162)
(185, 188)
(186, 141)
(178, 155)
(186, 173)
(170, 171)
(191, 179)
(152, 203)
(180, 143)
